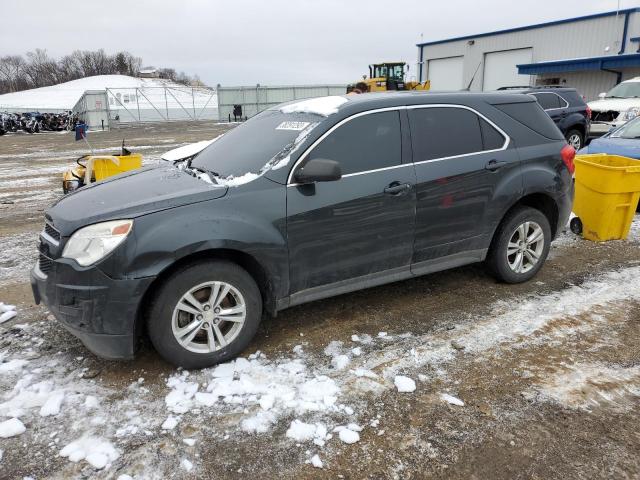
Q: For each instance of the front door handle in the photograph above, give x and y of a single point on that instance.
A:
(494, 165)
(397, 188)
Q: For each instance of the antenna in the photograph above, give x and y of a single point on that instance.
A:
(473, 77)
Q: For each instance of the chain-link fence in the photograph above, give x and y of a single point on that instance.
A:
(161, 104)
(239, 103)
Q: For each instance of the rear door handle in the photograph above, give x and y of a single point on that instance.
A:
(494, 165)
(397, 188)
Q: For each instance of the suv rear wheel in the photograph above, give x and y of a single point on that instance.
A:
(574, 138)
(520, 246)
(205, 313)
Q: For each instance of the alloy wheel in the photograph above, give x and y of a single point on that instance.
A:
(208, 317)
(525, 247)
(575, 141)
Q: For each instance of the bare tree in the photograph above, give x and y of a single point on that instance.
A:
(40, 70)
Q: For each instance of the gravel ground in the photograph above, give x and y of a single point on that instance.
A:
(540, 380)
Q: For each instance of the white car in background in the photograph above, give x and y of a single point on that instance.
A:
(616, 107)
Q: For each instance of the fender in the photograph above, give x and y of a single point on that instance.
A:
(256, 227)
(542, 177)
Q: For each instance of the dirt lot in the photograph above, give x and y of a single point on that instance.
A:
(540, 380)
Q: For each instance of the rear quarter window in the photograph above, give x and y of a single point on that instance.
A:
(531, 115)
(573, 98)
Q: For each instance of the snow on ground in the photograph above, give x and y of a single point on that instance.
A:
(589, 385)
(251, 396)
(65, 95)
(18, 254)
(7, 312)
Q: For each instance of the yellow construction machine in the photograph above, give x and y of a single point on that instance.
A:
(388, 76)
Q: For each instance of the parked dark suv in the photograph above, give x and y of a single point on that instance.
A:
(566, 108)
(302, 202)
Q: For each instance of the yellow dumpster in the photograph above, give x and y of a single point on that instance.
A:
(94, 168)
(607, 193)
(108, 166)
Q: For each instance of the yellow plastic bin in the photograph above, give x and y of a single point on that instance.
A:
(607, 193)
(110, 165)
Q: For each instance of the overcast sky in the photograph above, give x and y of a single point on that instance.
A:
(244, 42)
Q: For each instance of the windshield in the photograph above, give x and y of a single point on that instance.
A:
(267, 137)
(625, 90)
(628, 130)
(391, 71)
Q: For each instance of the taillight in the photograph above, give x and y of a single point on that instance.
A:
(588, 112)
(568, 153)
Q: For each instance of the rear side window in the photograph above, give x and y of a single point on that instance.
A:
(531, 114)
(492, 139)
(548, 101)
(572, 97)
(365, 143)
(441, 132)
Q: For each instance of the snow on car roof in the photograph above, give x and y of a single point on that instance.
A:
(324, 106)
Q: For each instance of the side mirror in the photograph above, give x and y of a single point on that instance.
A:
(318, 170)
(602, 95)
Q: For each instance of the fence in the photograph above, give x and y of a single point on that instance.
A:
(161, 104)
(255, 99)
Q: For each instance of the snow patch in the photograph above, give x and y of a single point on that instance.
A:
(588, 385)
(7, 312)
(170, 423)
(12, 366)
(324, 106)
(97, 452)
(52, 405)
(404, 384)
(347, 435)
(316, 462)
(11, 428)
(187, 151)
(305, 432)
(452, 400)
(265, 389)
(186, 465)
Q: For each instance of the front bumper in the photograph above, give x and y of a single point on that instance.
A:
(600, 128)
(97, 309)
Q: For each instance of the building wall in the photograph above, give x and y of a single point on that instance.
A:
(561, 41)
(590, 83)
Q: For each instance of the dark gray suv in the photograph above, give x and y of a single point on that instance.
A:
(305, 201)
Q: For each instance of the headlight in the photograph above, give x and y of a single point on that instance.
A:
(631, 113)
(91, 244)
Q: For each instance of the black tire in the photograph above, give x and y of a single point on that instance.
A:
(498, 261)
(159, 321)
(575, 139)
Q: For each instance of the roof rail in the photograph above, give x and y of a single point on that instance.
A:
(535, 87)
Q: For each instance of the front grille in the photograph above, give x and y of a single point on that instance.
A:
(45, 264)
(607, 116)
(52, 232)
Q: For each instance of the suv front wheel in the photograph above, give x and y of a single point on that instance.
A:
(204, 314)
(520, 246)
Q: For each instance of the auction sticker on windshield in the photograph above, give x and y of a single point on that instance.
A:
(298, 126)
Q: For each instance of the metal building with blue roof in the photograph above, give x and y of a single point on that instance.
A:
(591, 53)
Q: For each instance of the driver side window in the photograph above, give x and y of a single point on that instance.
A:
(365, 143)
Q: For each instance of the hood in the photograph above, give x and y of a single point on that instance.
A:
(130, 195)
(626, 147)
(617, 104)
